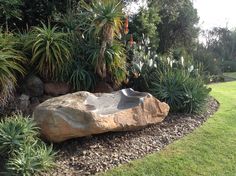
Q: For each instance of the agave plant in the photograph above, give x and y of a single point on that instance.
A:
(106, 23)
(31, 159)
(15, 131)
(50, 50)
(181, 91)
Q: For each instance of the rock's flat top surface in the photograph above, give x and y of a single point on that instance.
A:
(110, 103)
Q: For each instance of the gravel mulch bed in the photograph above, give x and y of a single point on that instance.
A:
(91, 155)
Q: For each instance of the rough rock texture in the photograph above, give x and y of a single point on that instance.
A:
(103, 87)
(33, 86)
(24, 102)
(56, 89)
(83, 114)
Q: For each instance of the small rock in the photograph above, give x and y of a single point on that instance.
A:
(24, 102)
(103, 87)
(33, 86)
(56, 89)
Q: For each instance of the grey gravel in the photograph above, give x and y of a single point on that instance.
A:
(95, 154)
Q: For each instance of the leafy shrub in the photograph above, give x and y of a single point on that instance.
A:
(15, 132)
(10, 9)
(214, 78)
(229, 66)
(50, 50)
(182, 92)
(143, 71)
(31, 160)
(211, 65)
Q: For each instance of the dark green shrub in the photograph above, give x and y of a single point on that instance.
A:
(9, 9)
(211, 65)
(15, 131)
(229, 66)
(182, 92)
(214, 78)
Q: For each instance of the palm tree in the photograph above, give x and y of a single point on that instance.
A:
(106, 23)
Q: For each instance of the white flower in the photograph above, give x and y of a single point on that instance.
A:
(150, 62)
(168, 60)
(191, 68)
(171, 63)
(182, 60)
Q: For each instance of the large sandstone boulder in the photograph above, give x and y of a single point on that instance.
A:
(82, 113)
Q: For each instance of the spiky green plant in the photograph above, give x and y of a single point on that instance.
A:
(50, 50)
(116, 62)
(181, 91)
(31, 159)
(78, 75)
(15, 132)
(11, 61)
(105, 23)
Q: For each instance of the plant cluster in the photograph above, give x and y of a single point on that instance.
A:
(11, 61)
(50, 50)
(24, 152)
(88, 44)
(172, 80)
(181, 91)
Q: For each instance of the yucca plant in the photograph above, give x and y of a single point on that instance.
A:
(106, 23)
(31, 160)
(50, 50)
(15, 132)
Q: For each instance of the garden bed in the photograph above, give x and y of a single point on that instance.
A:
(95, 154)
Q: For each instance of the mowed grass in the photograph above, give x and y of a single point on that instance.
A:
(230, 74)
(208, 151)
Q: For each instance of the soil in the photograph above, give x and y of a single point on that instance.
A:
(95, 154)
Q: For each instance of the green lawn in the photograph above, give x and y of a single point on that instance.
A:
(209, 151)
(230, 74)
